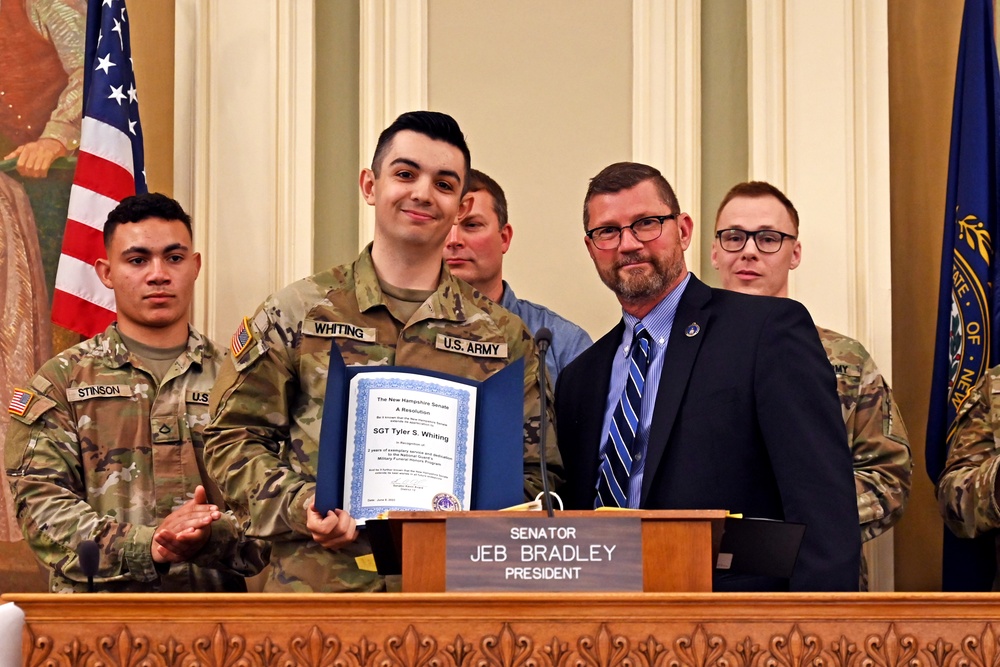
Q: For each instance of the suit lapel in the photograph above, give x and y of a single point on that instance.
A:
(681, 352)
(591, 427)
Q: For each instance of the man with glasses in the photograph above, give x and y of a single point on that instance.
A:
(690, 402)
(756, 245)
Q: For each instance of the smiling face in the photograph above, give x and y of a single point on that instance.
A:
(476, 245)
(640, 274)
(151, 267)
(416, 194)
(749, 270)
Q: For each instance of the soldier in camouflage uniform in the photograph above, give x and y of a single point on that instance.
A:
(967, 488)
(875, 430)
(396, 305)
(105, 442)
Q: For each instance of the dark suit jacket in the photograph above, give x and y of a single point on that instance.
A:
(747, 419)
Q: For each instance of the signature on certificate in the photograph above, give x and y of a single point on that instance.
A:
(409, 483)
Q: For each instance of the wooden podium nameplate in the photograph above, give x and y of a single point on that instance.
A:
(528, 552)
(678, 546)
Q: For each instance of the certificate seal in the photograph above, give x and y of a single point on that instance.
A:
(446, 502)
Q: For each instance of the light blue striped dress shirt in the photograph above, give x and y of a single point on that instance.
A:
(658, 322)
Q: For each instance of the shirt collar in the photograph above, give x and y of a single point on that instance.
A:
(660, 319)
(445, 304)
(507, 298)
(117, 355)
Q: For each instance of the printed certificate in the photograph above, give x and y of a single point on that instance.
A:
(409, 438)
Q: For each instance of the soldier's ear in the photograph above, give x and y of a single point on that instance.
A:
(103, 269)
(367, 183)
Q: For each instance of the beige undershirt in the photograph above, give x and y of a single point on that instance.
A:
(156, 360)
(403, 302)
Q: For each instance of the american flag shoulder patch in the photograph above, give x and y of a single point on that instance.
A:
(19, 402)
(241, 339)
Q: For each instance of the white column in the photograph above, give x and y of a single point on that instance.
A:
(243, 157)
(819, 130)
(666, 99)
(393, 76)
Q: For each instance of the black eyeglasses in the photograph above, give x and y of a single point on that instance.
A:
(644, 229)
(766, 240)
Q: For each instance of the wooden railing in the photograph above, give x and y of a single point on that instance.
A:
(512, 630)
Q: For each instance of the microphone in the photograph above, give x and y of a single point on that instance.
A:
(90, 557)
(543, 339)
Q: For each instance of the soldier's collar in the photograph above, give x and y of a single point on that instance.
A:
(366, 286)
(445, 304)
(118, 354)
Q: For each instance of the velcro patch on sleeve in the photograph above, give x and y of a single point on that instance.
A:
(35, 407)
(241, 339)
(19, 402)
(248, 343)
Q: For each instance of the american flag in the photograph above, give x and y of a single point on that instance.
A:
(241, 339)
(19, 401)
(110, 167)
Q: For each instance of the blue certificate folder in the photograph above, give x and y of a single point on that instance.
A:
(498, 452)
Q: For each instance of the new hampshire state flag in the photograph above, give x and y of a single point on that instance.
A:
(967, 329)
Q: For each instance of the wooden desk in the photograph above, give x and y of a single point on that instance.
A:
(512, 630)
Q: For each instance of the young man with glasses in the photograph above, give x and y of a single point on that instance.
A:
(689, 402)
(756, 245)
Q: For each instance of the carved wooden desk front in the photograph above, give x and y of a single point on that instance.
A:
(512, 630)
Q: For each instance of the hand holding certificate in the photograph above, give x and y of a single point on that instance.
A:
(395, 437)
(409, 439)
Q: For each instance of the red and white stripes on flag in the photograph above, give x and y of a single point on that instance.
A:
(109, 168)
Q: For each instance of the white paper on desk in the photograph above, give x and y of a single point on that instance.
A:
(409, 438)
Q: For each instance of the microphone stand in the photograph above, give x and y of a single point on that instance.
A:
(543, 339)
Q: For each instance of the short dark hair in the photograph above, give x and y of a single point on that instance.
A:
(755, 189)
(480, 182)
(624, 175)
(433, 124)
(142, 207)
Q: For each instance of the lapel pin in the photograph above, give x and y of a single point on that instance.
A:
(692, 330)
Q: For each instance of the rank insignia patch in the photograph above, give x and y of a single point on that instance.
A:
(19, 402)
(241, 339)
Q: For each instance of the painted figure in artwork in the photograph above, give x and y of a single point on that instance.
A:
(41, 91)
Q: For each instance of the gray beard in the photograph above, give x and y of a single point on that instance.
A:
(642, 287)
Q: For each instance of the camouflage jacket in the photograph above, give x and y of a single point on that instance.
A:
(97, 452)
(263, 442)
(966, 489)
(876, 434)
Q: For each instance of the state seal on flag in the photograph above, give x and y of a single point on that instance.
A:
(969, 327)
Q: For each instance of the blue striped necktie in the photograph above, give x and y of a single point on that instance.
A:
(616, 464)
